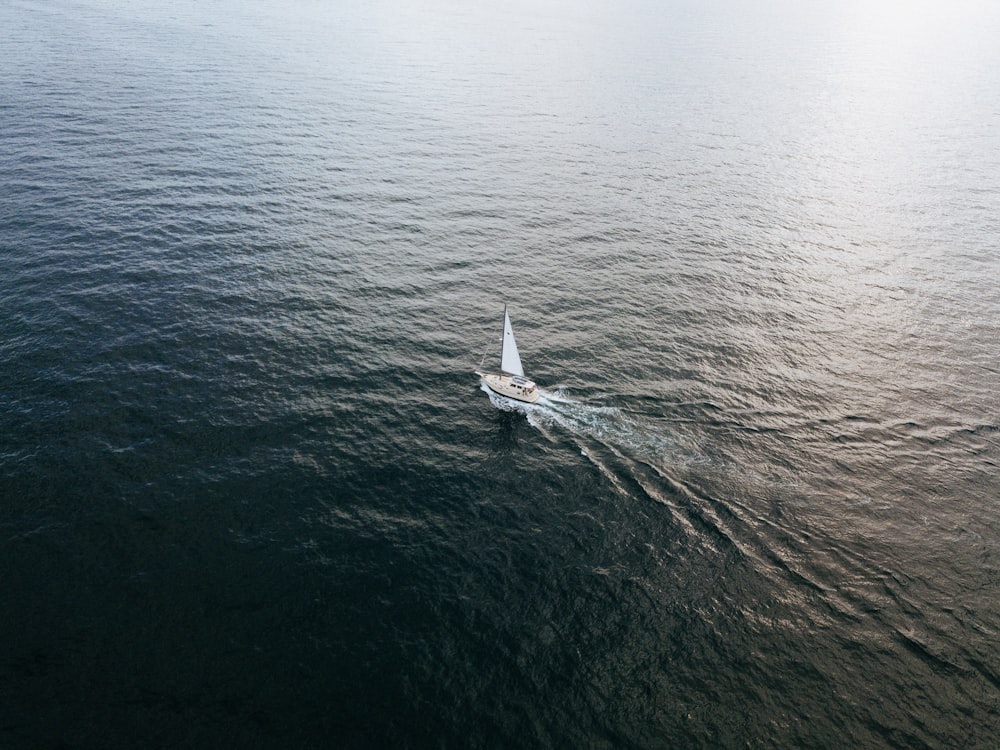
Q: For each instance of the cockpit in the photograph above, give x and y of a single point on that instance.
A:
(522, 382)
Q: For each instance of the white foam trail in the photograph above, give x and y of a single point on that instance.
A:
(612, 428)
(608, 426)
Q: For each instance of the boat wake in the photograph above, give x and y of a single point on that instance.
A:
(616, 443)
(610, 427)
(596, 429)
(662, 462)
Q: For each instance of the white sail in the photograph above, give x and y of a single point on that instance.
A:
(510, 360)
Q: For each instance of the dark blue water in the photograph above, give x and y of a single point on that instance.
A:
(252, 495)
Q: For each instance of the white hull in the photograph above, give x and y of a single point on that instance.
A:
(512, 386)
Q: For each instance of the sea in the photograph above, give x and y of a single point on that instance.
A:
(253, 495)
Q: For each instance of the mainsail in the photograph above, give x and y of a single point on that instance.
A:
(510, 361)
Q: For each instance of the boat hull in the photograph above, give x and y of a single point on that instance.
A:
(519, 389)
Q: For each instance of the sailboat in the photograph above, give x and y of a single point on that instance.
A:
(511, 381)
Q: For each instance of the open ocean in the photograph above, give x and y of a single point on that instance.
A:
(252, 494)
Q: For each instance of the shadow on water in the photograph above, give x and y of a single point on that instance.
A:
(508, 426)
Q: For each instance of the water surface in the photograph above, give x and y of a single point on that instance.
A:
(251, 492)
